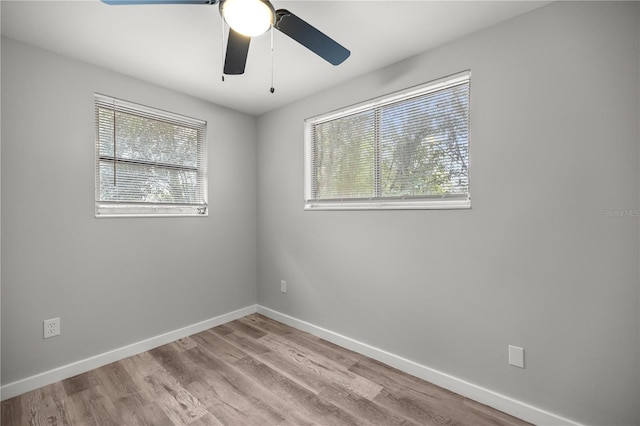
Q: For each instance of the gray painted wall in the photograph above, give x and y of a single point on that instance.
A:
(111, 281)
(537, 262)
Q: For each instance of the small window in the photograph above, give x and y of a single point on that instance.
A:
(148, 162)
(407, 150)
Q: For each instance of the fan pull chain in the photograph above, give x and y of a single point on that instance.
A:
(222, 47)
(272, 88)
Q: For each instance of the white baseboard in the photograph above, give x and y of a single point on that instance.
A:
(477, 393)
(34, 382)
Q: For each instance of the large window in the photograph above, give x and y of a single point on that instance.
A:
(148, 162)
(405, 150)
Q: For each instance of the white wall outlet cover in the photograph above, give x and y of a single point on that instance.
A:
(516, 356)
(283, 286)
(51, 327)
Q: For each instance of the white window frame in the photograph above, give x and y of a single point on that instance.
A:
(110, 209)
(398, 203)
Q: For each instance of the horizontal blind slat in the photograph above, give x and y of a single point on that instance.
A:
(159, 157)
(422, 149)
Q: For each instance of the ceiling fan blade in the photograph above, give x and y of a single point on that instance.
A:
(310, 37)
(237, 51)
(127, 2)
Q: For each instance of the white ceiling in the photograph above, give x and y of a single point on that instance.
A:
(180, 46)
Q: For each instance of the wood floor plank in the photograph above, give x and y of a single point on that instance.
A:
(152, 415)
(235, 407)
(398, 382)
(229, 388)
(140, 366)
(415, 409)
(176, 402)
(337, 354)
(116, 381)
(362, 408)
(218, 346)
(172, 360)
(57, 407)
(224, 412)
(207, 420)
(321, 366)
(266, 324)
(94, 407)
(246, 344)
(31, 408)
(185, 343)
(308, 402)
(481, 415)
(80, 383)
(252, 371)
(11, 411)
(408, 394)
(232, 384)
(138, 410)
(294, 371)
(247, 328)
(275, 361)
(224, 328)
(172, 398)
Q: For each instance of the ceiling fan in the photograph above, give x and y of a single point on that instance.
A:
(251, 18)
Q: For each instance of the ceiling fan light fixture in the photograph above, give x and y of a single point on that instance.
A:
(248, 17)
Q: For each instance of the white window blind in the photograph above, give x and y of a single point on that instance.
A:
(409, 149)
(148, 162)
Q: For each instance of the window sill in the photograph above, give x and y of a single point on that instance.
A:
(134, 210)
(389, 205)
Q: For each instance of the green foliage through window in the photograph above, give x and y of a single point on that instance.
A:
(150, 161)
(403, 146)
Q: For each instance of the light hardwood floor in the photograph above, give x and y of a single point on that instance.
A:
(252, 371)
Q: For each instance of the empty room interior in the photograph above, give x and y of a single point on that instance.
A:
(365, 212)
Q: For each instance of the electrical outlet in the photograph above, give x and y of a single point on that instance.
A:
(51, 327)
(516, 356)
(283, 286)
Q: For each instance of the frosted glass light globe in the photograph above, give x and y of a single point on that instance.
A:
(248, 17)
